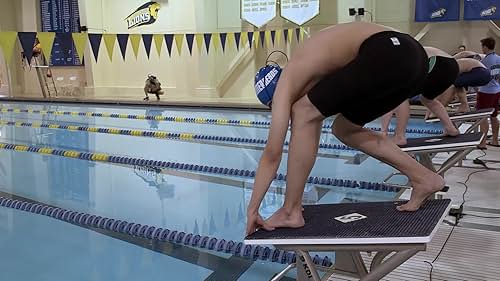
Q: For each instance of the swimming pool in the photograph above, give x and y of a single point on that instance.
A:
(186, 170)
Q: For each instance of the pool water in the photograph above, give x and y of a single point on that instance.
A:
(37, 247)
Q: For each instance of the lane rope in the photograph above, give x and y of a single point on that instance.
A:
(161, 134)
(132, 161)
(254, 252)
(180, 119)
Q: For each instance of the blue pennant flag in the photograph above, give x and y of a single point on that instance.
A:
(169, 40)
(223, 37)
(27, 40)
(250, 39)
(122, 43)
(147, 40)
(237, 38)
(95, 42)
(190, 40)
(208, 38)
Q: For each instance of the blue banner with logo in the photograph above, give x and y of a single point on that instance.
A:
(481, 9)
(61, 16)
(437, 10)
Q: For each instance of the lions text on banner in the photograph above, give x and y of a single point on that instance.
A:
(258, 12)
(299, 12)
(481, 9)
(437, 10)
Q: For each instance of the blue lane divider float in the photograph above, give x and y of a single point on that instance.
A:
(160, 234)
(131, 161)
(161, 134)
(198, 120)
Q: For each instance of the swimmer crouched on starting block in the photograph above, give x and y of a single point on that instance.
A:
(359, 71)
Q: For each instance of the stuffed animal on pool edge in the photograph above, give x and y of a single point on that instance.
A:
(152, 86)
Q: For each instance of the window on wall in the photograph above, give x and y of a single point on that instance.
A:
(62, 17)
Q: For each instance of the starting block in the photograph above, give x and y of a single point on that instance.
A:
(425, 148)
(348, 230)
(472, 116)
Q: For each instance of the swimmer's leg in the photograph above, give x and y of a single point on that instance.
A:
(303, 148)
(424, 181)
(384, 123)
(402, 118)
(462, 97)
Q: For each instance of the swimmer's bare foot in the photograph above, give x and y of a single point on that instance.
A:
(452, 131)
(421, 191)
(283, 218)
(399, 140)
(463, 109)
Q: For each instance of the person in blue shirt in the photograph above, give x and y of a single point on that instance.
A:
(488, 96)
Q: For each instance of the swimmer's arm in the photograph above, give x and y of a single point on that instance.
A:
(295, 80)
(271, 157)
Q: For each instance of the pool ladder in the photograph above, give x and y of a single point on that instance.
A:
(45, 78)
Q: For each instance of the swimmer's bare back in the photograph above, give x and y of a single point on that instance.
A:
(327, 51)
(467, 64)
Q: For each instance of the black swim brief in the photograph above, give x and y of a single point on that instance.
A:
(388, 70)
(443, 72)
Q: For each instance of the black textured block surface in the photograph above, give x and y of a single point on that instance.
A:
(382, 220)
(443, 140)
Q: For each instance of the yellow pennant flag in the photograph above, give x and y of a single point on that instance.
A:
(46, 40)
(80, 41)
(256, 37)
(8, 42)
(290, 35)
(199, 41)
(230, 40)
(158, 38)
(277, 41)
(135, 41)
(178, 42)
(302, 33)
(244, 39)
(267, 35)
(216, 41)
(109, 41)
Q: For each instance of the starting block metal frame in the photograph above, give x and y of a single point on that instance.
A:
(425, 148)
(341, 229)
(473, 116)
(424, 151)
